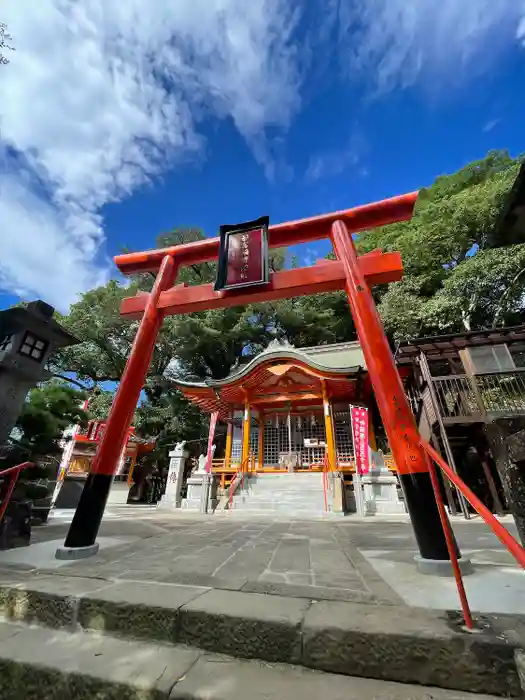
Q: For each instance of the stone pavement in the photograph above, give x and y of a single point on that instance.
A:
(326, 595)
(294, 558)
(346, 559)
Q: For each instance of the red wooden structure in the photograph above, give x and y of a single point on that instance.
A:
(349, 272)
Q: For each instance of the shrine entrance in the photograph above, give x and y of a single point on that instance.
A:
(243, 278)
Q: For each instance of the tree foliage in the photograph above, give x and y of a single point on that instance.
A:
(49, 409)
(455, 267)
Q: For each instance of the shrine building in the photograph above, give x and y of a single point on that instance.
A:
(290, 411)
(79, 446)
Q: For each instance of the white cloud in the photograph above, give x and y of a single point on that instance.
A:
(101, 96)
(520, 34)
(330, 163)
(436, 43)
(334, 161)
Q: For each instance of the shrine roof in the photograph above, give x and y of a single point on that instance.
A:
(281, 371)
(284, 351)
(449, 345)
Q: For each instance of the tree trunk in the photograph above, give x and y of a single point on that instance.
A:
(506, 438)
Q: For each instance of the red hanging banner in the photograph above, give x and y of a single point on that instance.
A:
(359, 418)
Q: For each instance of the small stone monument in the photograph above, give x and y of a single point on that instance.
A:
(201, 488)
(172, 497)
(380, 488)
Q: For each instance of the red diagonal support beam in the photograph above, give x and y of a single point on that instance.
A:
(289, 233)
(377, 267)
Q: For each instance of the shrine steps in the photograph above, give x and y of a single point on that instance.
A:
(40, 663)
(291, 494)
(66, 637)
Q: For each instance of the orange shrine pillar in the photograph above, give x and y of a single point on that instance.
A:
(246, 425)
(329, 430)
(400, 426)
(229, 440)
(88, 515)
(260, 456)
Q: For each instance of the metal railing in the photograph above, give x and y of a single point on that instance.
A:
(226, 469)
(502, 392)
(504, 536)
(456, 396)
(461, 396)
(13, 473)
(246, 467)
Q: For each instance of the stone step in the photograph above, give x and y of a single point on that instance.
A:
(283, 512)
(285, 482)
(385, 642)
(292, 488)
(36, 663)
(307, 507)
(276, 486)
(296, 488)
(278, 508)
(308, 514)
(275, 508)
(280, 497)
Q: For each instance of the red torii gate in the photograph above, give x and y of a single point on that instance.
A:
(349, 272)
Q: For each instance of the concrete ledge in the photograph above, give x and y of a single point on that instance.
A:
(72, 553)
(37, 663)
(245, 624)
(137, 610)
(412, 646)
(520, 665)
(442, 567)
(394, 643)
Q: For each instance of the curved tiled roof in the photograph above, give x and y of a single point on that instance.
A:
(274, 351)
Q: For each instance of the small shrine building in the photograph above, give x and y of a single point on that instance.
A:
(79, 448)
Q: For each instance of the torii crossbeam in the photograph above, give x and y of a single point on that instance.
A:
(354, 274)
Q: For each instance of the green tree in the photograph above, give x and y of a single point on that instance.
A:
(451, 239)
(49, 409)
(99, 404)
(106, 336)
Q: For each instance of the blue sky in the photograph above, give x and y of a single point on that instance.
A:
(219, 111)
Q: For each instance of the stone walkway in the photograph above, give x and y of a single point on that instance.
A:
(341, 560)
(345, 598)
(299, 559)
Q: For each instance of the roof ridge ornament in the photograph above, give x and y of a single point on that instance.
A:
(279, 344)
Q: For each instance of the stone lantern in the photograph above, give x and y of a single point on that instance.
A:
(28, 338)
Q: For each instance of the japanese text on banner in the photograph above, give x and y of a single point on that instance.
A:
(359, 417)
